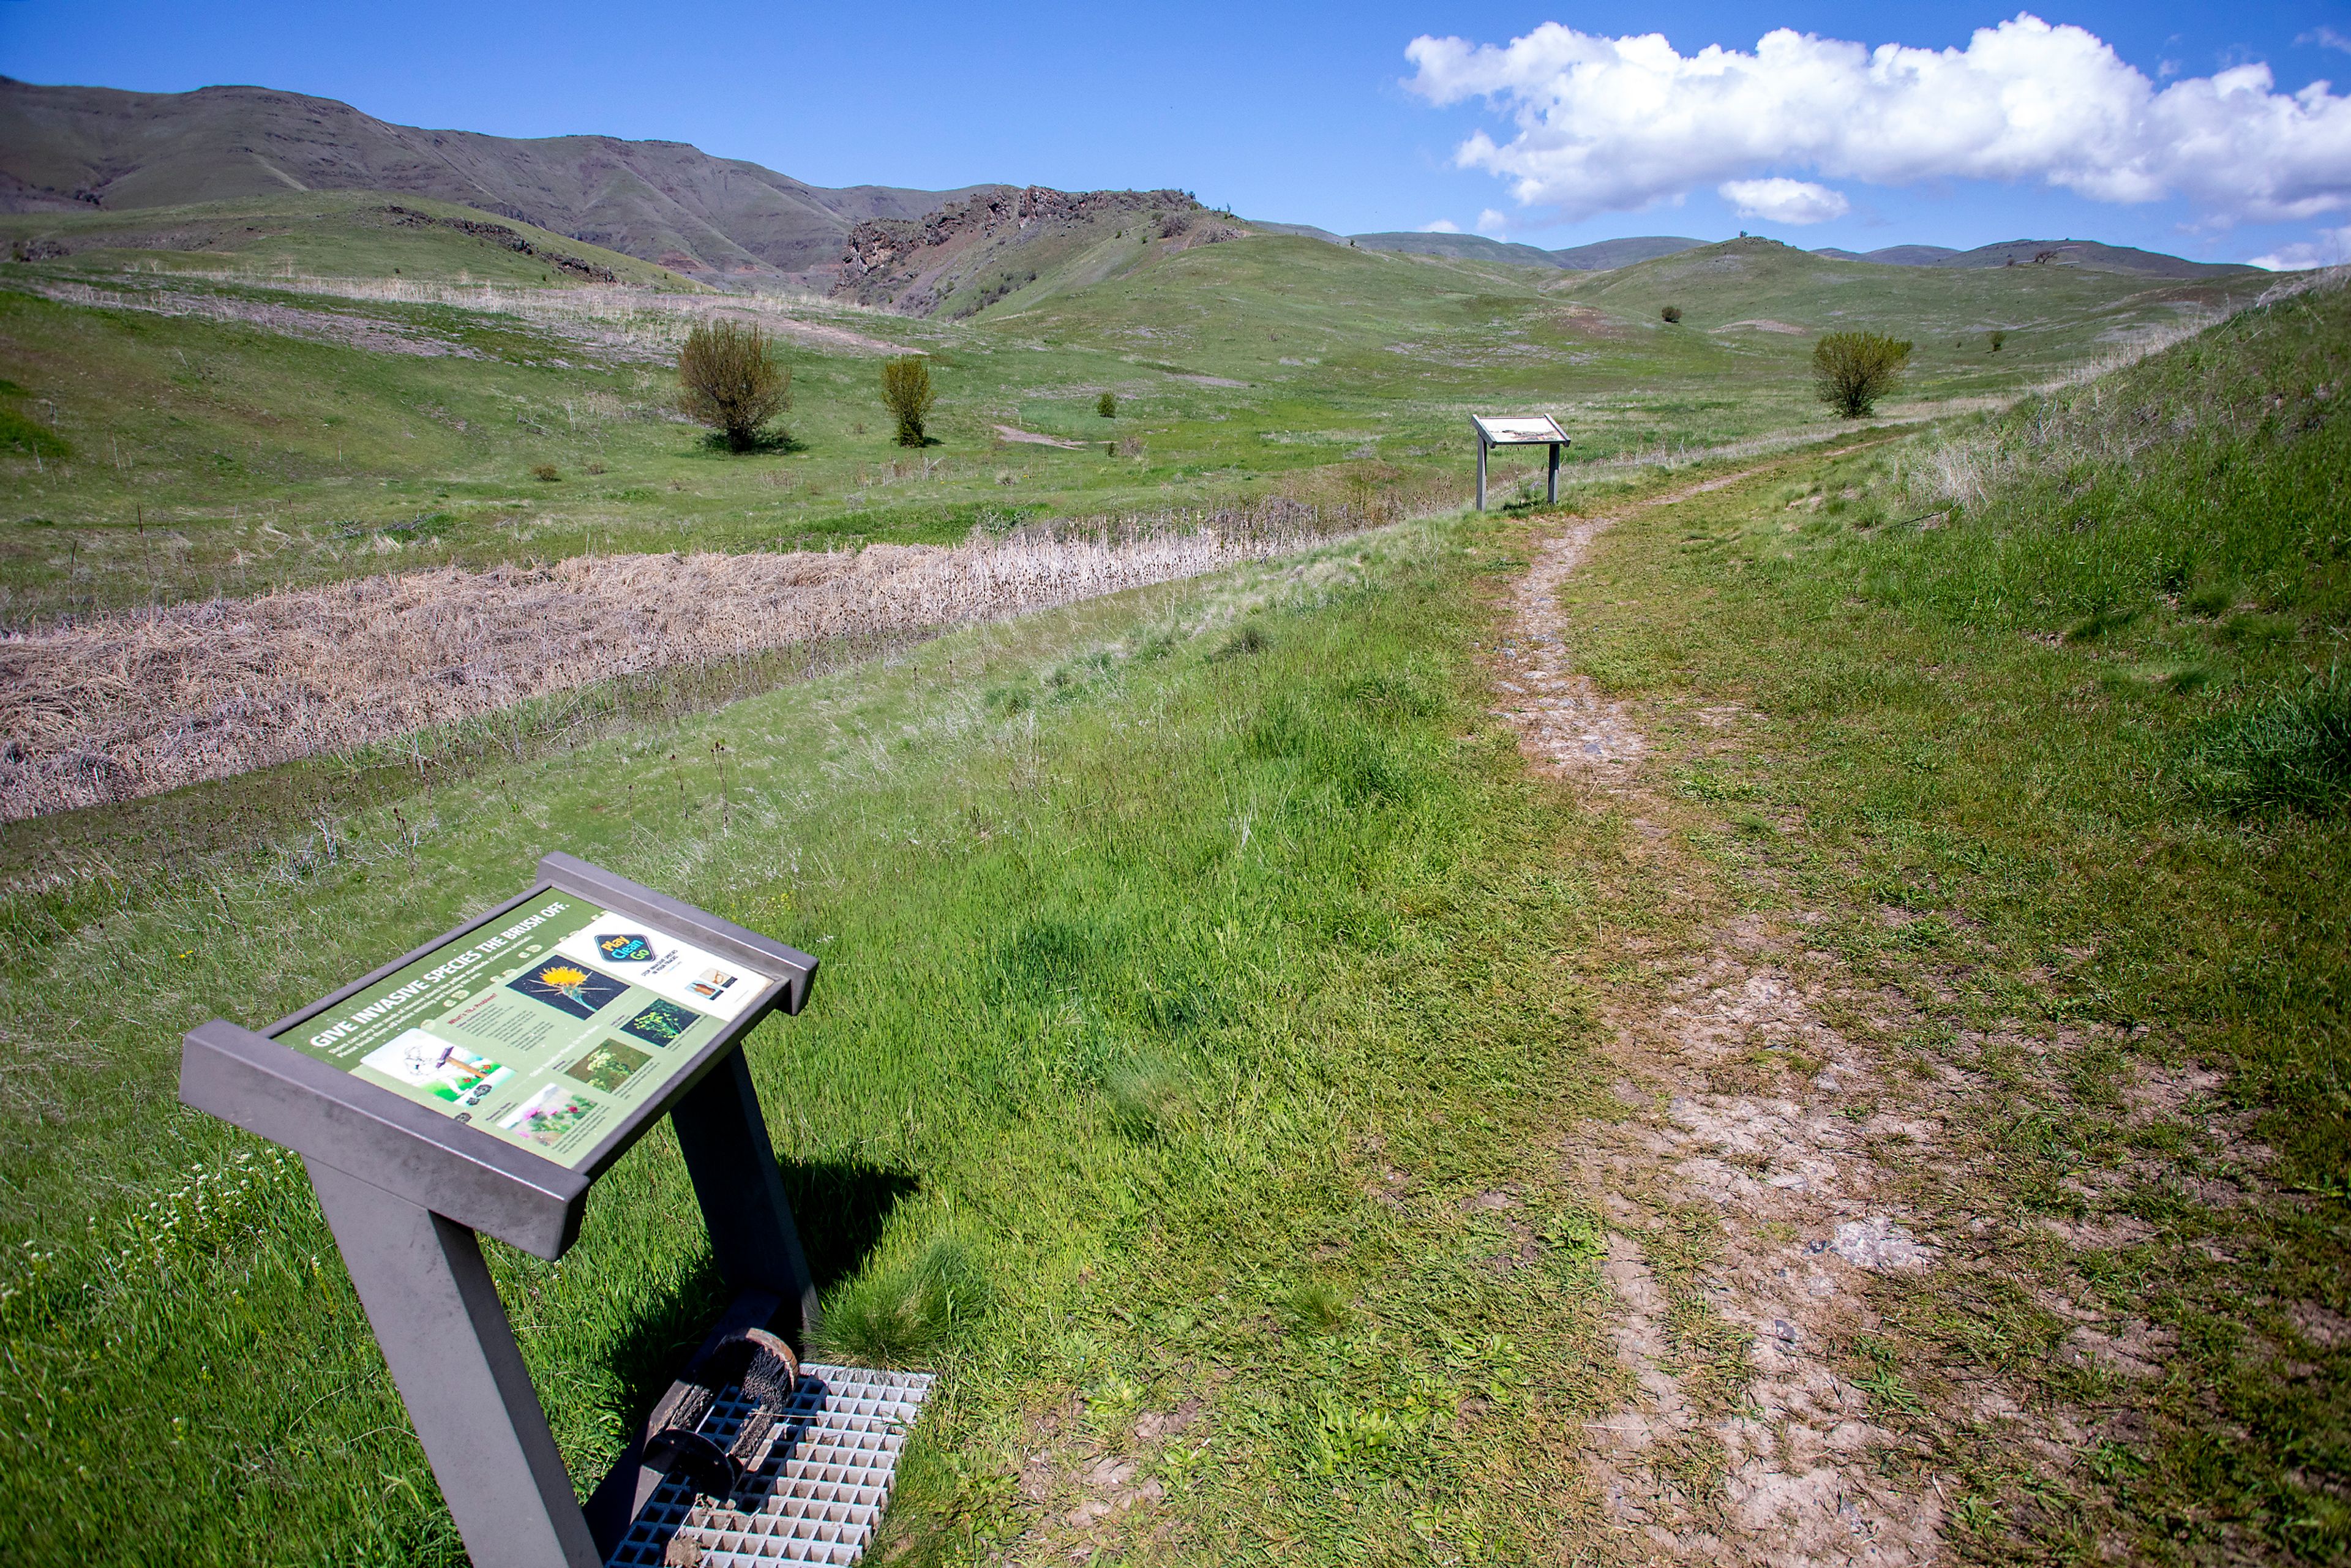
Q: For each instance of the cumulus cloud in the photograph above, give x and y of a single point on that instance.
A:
(1441, 227)
(1609, 124)
(1493, 224)
(1784, 201)
(2331, 248)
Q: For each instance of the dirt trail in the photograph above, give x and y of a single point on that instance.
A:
(1743, 1443)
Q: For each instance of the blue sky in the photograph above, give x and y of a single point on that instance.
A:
(1307, 113)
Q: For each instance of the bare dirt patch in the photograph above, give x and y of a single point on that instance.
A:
(1033, 438)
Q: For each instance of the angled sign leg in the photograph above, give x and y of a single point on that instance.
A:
(444, 1335)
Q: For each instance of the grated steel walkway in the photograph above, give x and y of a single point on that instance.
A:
(819, 1497)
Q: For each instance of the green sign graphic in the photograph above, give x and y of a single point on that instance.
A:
(545, 1032)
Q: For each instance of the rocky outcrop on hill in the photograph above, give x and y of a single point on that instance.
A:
(498, 234)
(919, 264)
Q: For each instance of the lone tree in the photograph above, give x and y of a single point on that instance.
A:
(1851, 370)
(727, 379)
(906, 392)
(1106, 406)
(1672, 313)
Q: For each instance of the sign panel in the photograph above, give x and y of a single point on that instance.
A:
(544, 1029)
(1518, 430)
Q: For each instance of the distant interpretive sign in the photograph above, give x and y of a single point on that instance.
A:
(1518, 430)
(544, 1030)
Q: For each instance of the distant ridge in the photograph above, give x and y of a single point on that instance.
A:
(2082, 253)
(75, 147)
(1598, 256)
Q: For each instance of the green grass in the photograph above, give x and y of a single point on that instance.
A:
(2080, 868)
(204, 457)
(316, 233)
(1197, 961)
(1131, 992)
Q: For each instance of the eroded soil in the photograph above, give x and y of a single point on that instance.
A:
(1741, 1155)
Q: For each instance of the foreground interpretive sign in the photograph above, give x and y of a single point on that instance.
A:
(545, 1031)
(483, 1083)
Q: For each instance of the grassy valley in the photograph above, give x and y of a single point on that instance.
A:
(205, 424)
(1795, 998)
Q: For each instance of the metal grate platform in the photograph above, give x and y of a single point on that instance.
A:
(820, 1494)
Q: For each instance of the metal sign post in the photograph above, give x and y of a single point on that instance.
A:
(1518, 430)
(482, 1084)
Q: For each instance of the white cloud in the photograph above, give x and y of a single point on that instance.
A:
(1616, 124)
(2326, 38)
(1493, 224)
(2331, 248)
(1784, 201)
(1441, 227)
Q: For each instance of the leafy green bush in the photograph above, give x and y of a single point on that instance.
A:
(2292, 751)
(907, 392)
(1671, 313)
(1106, 406)
(891, 1313)
(727, 379)
(1851, 370)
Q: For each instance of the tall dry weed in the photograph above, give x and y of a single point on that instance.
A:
(110, 709)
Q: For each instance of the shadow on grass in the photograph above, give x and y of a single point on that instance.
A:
(767, 444)
(841, 1209)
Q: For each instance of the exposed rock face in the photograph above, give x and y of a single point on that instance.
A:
(917, 265)
(498, 234)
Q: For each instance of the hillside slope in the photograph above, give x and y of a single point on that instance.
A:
(968, 256)
(320, 234)
(73, 147)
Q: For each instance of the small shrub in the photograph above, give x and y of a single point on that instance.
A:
(1851, 370)
(2290, 752)
(1106, 406)
(907, 394)
(1131, 448)
(595, 469)
(546, 472)
(1672, 313)
(727, 379)
(1997, 340)
(889, 1314)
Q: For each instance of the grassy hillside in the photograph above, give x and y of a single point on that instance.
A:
(1214, 999)
(180, 433)
(2048, 716)
(336, 235)
(62, 148)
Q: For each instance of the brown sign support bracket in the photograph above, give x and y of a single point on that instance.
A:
(1518, 430)
(407, 1185)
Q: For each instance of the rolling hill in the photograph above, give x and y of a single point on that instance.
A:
(320, 234)
(2089, 254)
(66, 149)
(1598, 256)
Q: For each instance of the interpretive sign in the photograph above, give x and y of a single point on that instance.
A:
(545, 1031)
(1518, 430)
(482, 1083)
